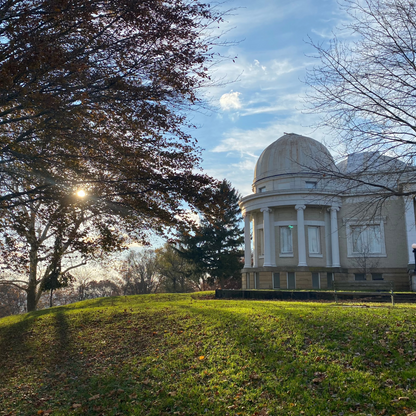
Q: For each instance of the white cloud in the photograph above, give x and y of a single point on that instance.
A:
(230, 101)
(325, 33)
(243, 20)
(248, 142)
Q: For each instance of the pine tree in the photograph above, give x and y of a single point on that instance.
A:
(216, 245)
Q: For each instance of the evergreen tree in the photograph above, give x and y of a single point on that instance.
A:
(176, 273)
(216, 246)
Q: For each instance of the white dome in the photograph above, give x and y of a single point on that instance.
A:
(292, 154)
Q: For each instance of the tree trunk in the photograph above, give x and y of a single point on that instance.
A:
(31, 297)
(51, 299)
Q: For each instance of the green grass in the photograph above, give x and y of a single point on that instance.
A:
(192, 355)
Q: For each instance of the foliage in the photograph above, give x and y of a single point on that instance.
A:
(139, 273)
(215, 247)
(167, 353)
(96, 92)
(175, 272)
(12, 301)
(94, 95)
(43, 242)
(364, 90)
(101, 288)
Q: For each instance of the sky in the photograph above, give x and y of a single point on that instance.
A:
(264, 94)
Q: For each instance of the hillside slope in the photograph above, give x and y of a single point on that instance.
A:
(189, 354)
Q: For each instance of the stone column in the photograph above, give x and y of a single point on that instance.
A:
(301, 235)
(267, 240)
(410, 226)
(247, 241)
(334, 237)
(255, 253)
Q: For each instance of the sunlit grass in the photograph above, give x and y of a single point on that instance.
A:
(191, 355)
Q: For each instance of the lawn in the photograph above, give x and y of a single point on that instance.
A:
(189, 354)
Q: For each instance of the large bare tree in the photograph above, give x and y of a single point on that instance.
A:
(364, 89)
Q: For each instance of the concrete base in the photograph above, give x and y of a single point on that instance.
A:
(414, 283)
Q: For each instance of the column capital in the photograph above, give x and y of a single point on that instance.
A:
(300, 207)
(265, 210)
(247, 214)
(334, 208)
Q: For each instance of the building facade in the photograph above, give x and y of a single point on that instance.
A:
(304, 229)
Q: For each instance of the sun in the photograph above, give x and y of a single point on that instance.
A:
(81, 193)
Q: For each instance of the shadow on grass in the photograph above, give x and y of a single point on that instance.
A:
(268, 353)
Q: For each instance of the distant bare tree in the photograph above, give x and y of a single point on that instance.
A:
(177, 274)
(102, 288)
(139, 273)
(12, 301)
(364, 90)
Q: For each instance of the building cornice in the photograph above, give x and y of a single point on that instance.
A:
(287, 197)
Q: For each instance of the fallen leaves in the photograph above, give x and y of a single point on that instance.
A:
(400, 399)
(95, 397)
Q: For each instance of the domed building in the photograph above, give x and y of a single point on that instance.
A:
(303, 232)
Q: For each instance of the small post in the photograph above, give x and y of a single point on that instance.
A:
(414, 252)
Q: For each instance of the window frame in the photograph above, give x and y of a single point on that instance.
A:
(319, 253)
(359, 275)
(311, 185)
(352, 224)
(256, 280)
(319, 279)
(276, 275)
(287, 280)
(378, 275)
(281, 252)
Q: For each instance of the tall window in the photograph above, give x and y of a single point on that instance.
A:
(247, 280)
(366, 239)
(286, 244)
(314, 240)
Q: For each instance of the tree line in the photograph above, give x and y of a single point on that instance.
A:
(142, 272)
(206, 256)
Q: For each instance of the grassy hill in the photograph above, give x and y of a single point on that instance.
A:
(193, 355)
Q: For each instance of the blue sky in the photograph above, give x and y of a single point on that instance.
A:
(266, 98)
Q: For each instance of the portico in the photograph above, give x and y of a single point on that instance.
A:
(301, 234)
(263, 220)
